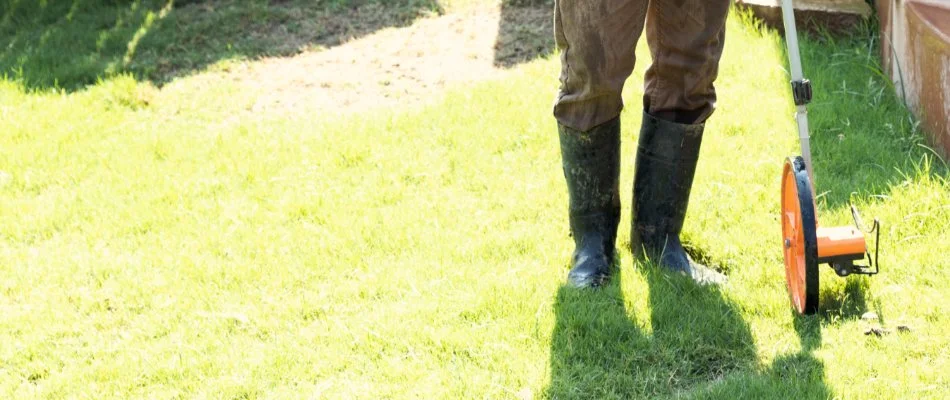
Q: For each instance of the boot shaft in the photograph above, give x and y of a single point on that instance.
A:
(591, 165)
(667, 154)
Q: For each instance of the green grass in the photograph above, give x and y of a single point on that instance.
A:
(172, 244)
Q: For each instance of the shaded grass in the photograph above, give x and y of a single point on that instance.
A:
(170, 243)
(71, 44)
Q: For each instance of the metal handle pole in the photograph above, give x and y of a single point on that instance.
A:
(795, 62)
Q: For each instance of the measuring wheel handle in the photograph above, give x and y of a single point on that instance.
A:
(805, 245)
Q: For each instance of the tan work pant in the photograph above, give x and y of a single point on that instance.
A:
(597, 40)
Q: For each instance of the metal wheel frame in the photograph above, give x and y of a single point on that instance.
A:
(799, 237)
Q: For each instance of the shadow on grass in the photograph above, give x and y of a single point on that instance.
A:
(525, 31)
(71, 44)
(844, 302)
(598, 351)
(798, 375)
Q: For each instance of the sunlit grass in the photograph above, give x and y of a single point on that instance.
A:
(171, 243)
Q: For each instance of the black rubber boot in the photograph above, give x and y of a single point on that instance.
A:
(667, 153)
(591, 162)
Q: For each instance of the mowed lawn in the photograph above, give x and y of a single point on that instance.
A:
(174, 243)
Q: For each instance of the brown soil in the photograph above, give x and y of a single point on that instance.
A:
(406, 65)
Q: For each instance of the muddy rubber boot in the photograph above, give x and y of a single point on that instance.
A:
(591, 162)
(667, 154)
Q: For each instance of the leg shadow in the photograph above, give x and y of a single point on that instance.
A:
(794, 376)
(600, 351)
(799, 375)
(597, 350)
(699, 332)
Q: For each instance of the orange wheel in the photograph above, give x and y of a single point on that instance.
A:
(800, 244)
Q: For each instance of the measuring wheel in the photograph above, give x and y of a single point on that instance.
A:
(799, 230)
(806, 245)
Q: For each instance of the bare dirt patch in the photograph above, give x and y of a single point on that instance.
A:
(399, 66)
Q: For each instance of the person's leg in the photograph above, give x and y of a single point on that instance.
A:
(597, 40)
(686, 41)
(686, 38)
